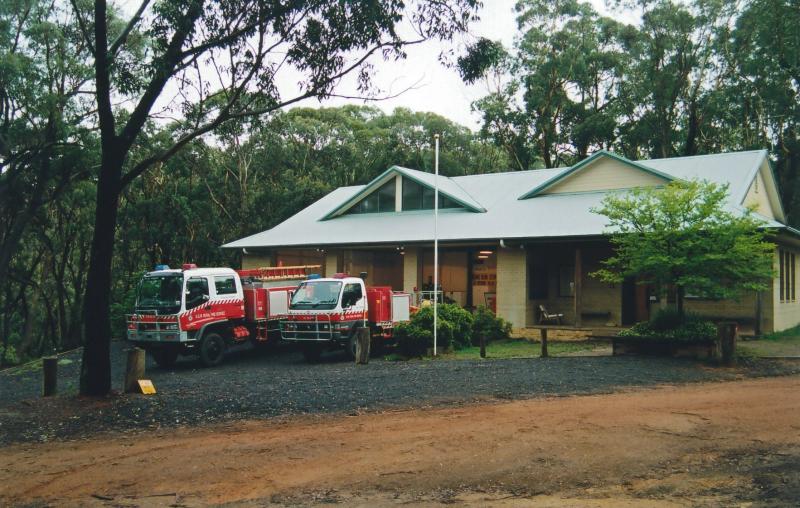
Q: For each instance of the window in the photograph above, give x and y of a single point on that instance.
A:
(351, 295)
(787, 276)
(196, 292)
(420, 197)
(382, 200)
(566, 282)
(225, 285)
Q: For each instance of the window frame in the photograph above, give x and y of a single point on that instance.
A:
(235, 290)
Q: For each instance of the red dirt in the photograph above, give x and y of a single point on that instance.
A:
(671, 446)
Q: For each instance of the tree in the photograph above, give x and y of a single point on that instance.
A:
(223, 60)
(559, 99)
(683, 239)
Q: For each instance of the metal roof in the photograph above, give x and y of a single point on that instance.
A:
(505, 216)
(447, 186)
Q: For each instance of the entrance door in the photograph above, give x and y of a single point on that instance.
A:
(635, 302)
(629, 301)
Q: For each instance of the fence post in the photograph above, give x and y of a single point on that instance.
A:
(49, 375)
(483, 345)
(134, 370)
(726, 334)
(544, 342)
(362, 345)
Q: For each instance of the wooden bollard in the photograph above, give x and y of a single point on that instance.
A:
(726, 334)
(544, 342)
(483, 345)
(49, 376)
(134, 370)
(362, 345)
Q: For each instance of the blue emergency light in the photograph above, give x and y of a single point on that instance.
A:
(313, 276)
(161, 267)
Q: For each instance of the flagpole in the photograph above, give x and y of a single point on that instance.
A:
(435, 241)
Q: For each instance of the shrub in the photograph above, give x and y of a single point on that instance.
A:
(462, 322)
(487, 323)
(412, 339)
(8, 355)
(667, 324)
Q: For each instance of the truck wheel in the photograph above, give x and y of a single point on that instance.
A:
(165, 358)
(350, 349)
(312, 353)
(212, 349)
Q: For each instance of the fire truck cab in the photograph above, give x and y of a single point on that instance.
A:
(203, 310)
(325, 312)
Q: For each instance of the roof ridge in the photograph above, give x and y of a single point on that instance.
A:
(739, 152)
(513, 171)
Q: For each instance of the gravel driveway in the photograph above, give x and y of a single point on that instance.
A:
(253, 384)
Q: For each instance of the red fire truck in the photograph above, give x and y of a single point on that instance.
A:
(325, 312)
(203, 310)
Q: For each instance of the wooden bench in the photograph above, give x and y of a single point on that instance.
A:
(546, 316)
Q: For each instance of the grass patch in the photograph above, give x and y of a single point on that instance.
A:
(788, 335)
(519, 348)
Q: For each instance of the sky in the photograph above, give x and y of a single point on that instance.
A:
(437, 88)
(427, 84)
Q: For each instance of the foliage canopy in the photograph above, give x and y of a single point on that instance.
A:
(685, 238)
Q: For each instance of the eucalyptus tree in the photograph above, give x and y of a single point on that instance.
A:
(220, 61)
(564, 73)
(43, 142)
(760, 103)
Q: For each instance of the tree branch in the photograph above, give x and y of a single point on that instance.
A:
(131, 24)
(82, 26)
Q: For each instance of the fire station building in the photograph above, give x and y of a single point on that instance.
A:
(525, 241)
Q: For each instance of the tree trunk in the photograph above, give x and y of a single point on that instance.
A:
(680, 293)
(96, 360)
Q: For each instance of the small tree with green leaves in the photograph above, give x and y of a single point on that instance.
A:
(684, 238)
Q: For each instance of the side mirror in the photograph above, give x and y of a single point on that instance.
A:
(205, 298)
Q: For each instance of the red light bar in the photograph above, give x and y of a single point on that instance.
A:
(188, 266)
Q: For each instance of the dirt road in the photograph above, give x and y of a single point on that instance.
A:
(705, 444)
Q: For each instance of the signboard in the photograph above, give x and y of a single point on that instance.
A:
(147, 386)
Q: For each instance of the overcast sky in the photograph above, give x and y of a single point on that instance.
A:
(440, 89)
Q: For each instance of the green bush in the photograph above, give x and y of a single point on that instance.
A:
(9, 355)
(457, 327)
(462, 322)
(487, 323)
(412, 339)
(667, 324)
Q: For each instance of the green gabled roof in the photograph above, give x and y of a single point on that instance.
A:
(447, 187)
(587, 161)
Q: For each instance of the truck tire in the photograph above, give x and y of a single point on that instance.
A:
(312, 352)
(350, 349)
(165, 358)
(212, 349)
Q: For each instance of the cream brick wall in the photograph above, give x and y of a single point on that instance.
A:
(251, 261)
(512, 286)
(331, 263)
(411, 269)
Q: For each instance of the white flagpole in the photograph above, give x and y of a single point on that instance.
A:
(435, 241)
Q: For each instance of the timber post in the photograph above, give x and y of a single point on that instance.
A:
(578, 288)
(49, 376)
(544, 342)
(362, 345)
(134, 370)
(727, 332)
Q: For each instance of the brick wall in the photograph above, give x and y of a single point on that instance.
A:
(411, 269)
(512, 286)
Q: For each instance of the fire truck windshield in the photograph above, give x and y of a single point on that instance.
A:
(322, 294)
(160, 293)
